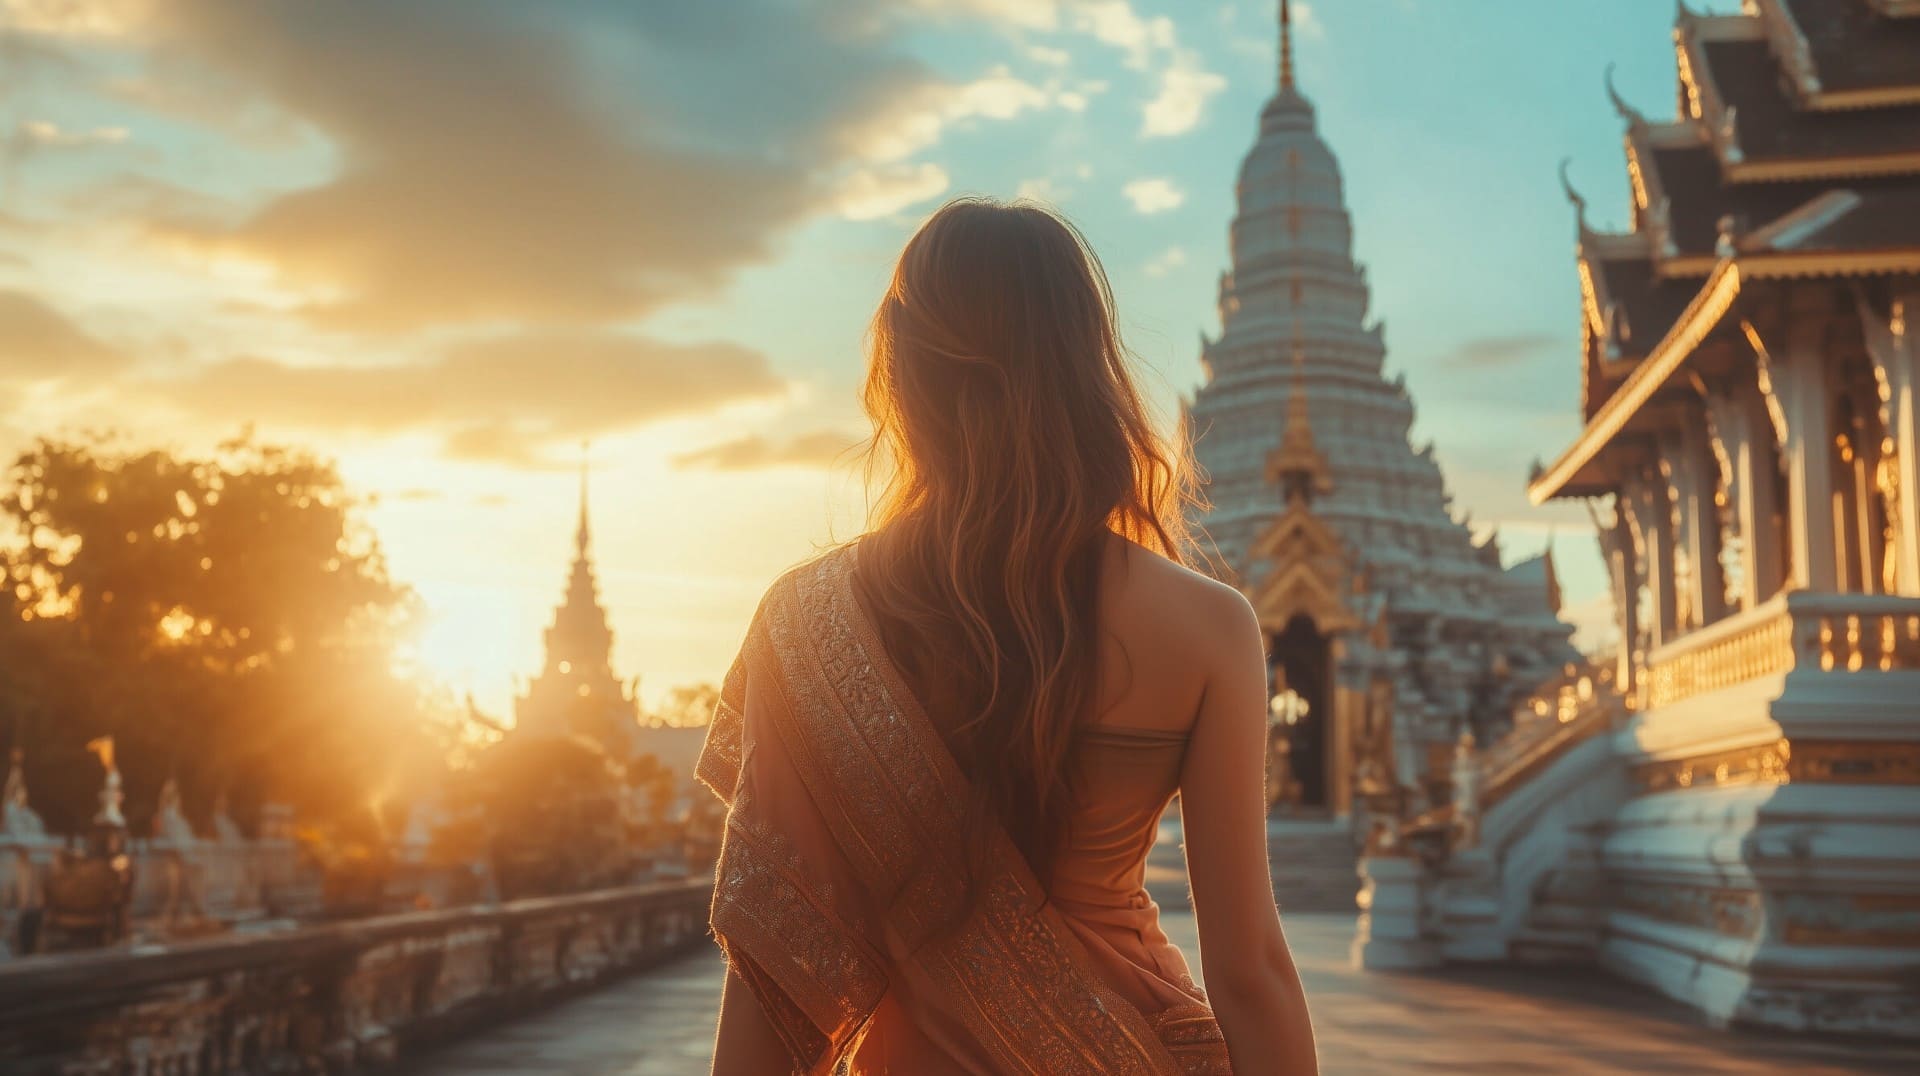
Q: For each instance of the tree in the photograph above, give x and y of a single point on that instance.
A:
(227, 619)
(687, 706)
(555, 811)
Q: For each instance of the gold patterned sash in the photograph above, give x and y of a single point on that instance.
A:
(840, 864)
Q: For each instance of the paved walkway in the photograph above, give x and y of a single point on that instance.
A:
(1491, 1021)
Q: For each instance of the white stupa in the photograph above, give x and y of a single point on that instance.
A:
(1379, 602)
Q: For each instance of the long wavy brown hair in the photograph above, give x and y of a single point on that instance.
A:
(1013, 441)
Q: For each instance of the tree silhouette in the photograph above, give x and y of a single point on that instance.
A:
(227, 619)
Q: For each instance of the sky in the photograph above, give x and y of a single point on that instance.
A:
(447, 242)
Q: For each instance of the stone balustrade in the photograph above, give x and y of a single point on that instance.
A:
(330, 998)
(1746, 646)
(1855, 632)
(1796, 630)
(1575, 710)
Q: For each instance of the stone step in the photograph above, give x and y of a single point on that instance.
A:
(1314, 866)
(1556, 932)
(1545, 947)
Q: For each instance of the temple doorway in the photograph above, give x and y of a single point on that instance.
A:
(1300, 672)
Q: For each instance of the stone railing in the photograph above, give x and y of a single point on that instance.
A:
(1566, 713)
(1795, 630)
(330, 998)
(1855, 632)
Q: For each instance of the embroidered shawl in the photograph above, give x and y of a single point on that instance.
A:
(828, 902)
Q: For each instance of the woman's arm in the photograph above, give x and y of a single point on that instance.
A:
(1250, 977)
(746, 1043)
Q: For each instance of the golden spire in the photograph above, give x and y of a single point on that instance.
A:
(1286, 46)
(581, 536)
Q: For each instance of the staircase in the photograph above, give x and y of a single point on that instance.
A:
(1314, 865)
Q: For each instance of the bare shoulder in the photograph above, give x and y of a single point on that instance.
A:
(1188, 611)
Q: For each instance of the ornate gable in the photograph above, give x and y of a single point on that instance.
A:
(1311, 573)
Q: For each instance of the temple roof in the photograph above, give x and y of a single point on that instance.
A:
(1852, 49)
(1777, 168)
(1646, 303)
(1771, 127)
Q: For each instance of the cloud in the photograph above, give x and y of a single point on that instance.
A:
(1182, 85)
(1185, 89)
(38, 343)
(500, 398)
(74, 17)
(546, 163)
(1040, 189)
(1154, 195)
(872, 193)
(1492, 351)
(499, 161)
(158, 206)
(1114, 22)
(1032, 14)
(1047, 54)
(35, 138)
(27, 60)
(920, 117)
(476, 181)
(819, 449)
(49, 134)
(206, 98)
(1167, 261)
(1150, 43)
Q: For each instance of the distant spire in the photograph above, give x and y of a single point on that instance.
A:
(581, 536)
(1286, 46)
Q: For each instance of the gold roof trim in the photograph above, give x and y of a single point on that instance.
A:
(1858, 166)
(1700, 318)
(1790, 45)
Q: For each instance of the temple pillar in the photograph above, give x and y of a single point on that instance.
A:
(1650, 512)
(1348, 706)
(1896, 360)
(1798, 378)
(1746, 438)
(1686, 469)
(1623, 570)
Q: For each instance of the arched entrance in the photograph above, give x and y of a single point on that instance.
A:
(1300, 673)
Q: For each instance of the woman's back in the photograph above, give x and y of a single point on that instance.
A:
(1129, 750)
(1160, 626)
(947, 747)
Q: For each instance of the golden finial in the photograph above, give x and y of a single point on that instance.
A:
(1286, 46)
(581, 536)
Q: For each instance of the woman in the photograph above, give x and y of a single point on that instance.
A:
(946, 746)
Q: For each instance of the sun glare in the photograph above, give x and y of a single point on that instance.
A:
(479, 638)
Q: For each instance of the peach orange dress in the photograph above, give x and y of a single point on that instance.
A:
(839, 878)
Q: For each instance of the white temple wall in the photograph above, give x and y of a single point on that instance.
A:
(1761, 857)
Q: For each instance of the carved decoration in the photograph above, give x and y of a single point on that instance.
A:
(1798, 917)
(1311, 573)
(1760, 764)
(1736, 913)
(1839, 762)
